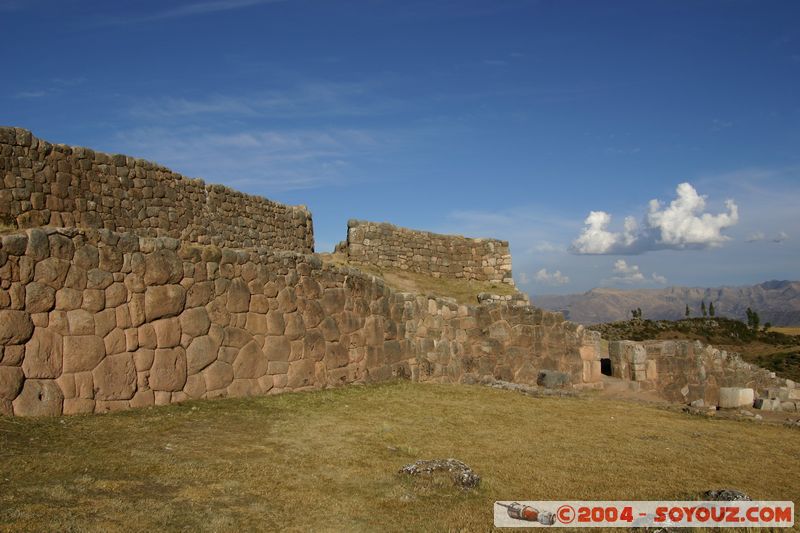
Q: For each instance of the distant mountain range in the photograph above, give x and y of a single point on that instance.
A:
(777, 302)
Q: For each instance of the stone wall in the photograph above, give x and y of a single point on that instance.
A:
(94, 321)
(448, 256)
(56, 185)
(685, 371)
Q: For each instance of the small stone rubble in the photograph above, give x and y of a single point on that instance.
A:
(461, 474)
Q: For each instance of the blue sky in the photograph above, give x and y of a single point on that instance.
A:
(510, 119)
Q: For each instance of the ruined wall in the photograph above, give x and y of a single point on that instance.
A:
(449, 256)
(61, 186)
(685, 371)
(92, 321)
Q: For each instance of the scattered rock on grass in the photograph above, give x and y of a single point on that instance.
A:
(725, 495)
(462, 475)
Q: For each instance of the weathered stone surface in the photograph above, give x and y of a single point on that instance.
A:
(731, 397)
(78, 406)
(82, 352)
(168, 332)
(168, 372)
(16, 327)
(69, 299)
(238, 297)
(163, 301)
(39, 298)
(218, 375)
(250, 363)
(116, 294)
(115, 378)
(52, 272)
(450, 256)
(115, 342)
(162, 267)
(38, 245)
(201, 353)
(195, 386)
(39, 397)
(552, 379)
(277, 348)
(11, 378)
(43, 355)
(301, 374)
(195, 321)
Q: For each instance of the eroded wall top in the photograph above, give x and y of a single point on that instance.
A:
(48, 184)
(450, 256)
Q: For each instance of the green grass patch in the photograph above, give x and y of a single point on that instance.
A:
(328, 460)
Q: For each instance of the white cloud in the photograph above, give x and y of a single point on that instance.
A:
(680, 225)
(627, 273)
(760, 236)
(546, 278)
(659, 279)
(547, 247)
(780, 237)
(257, 161)
(198, 8)
(524, 279)
(632, 275)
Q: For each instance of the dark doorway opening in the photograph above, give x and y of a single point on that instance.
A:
(605, 366)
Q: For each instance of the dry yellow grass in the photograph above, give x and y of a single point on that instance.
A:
(464, 291)
(786, 330)
(328, 461)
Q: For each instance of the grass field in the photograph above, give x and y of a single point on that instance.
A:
(788, 330)
(328, 461)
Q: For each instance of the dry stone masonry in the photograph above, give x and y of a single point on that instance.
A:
(47, 184)
(447, 256)
(689, 372)
(95, 321)
(123, 285)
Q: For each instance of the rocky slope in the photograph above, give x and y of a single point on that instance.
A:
(777, 302)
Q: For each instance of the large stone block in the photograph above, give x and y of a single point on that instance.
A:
(16, 327)
(250, 362)
(238, 297)
(83, 352)
(115, 378)
(201, 352)
(162, 267)
(11, 378)
(163, 301)
(168, 332)
(301, 374)
(43, 355)
(195, 322)
(39, 397)
(168, 372)
(218, 375)
(732, 397)
(39, 298)
(277, 348)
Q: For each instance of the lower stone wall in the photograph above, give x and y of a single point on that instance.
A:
(95, 321)
(685, 371)
(441, 256)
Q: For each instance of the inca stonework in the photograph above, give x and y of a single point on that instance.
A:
(688, 371)
(451, 256)
(48, 184)
(94, 320)
(211, 293)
